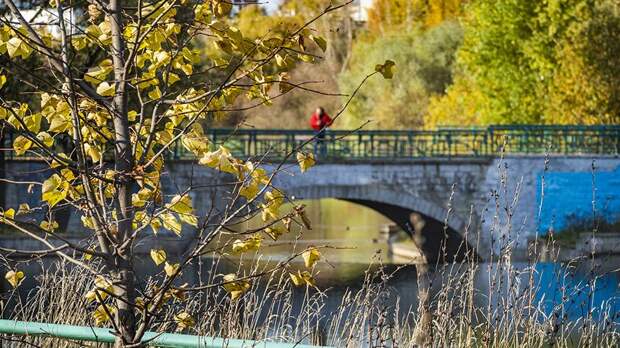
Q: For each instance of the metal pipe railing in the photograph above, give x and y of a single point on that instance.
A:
(156, 339)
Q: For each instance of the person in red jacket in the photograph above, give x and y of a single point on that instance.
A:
(319, 121)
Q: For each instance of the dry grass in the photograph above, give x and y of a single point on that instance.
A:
(370, 317)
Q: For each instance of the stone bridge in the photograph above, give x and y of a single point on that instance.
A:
(489, 203)
(469, 199)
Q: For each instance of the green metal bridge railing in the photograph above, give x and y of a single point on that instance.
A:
(395, 145)
(389, 145)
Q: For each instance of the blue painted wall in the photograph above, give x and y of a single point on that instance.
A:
(568, 195)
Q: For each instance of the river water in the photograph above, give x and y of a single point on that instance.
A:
(580, 286)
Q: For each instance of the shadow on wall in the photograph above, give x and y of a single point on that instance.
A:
(438, 242)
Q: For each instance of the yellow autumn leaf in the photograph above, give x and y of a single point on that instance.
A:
(171, 223)
(24, 208)
(53, 190)
(184, 321)
(155, 93)
(189, 219)
(9, 213)
(105, 89)
(79, 42)
(139, 199)
(2, 80)
(302, 278)
(319, 41)
(222, 8)
(46, 139)
(305, 160)
(311, 256)
(158, 256)
(14, 278)
(88, 256)
(155, 225)
(386, 69)
(274, 232)
(101, 316)
(248, 244)
(93, 152)
(48, 226)
(21, 144)
(59, 123)
(171, 268)
(181, 204)
(16, 47)
(235, 287)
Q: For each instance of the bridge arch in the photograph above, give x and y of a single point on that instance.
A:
(399, 207)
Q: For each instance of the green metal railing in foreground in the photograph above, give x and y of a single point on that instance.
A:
(102, 335)
(390, 145)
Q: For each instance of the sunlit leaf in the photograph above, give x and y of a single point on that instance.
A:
(184, 321)
(171, 223)
(105, 89)
(21, 144)
(302, 278)
(24, 208)
(248, 244)
(274, 232)
(14, 278)
(235, 287)
(181, 204)
(101, 316)
(311, 256)
(171, 268)
(158, 256)
(9, 213)
(305, 160)
(53, 190)
(45, 138)
(48, 226)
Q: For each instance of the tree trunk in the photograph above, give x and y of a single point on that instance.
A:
(123, 263)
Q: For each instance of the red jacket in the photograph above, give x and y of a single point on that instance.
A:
(317, 122)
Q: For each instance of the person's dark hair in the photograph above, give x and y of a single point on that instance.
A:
(321, 111)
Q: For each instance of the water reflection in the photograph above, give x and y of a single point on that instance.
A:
(568, 291)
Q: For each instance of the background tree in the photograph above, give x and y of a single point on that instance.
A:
(424, 61)
(535, 62)
(126, 84)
